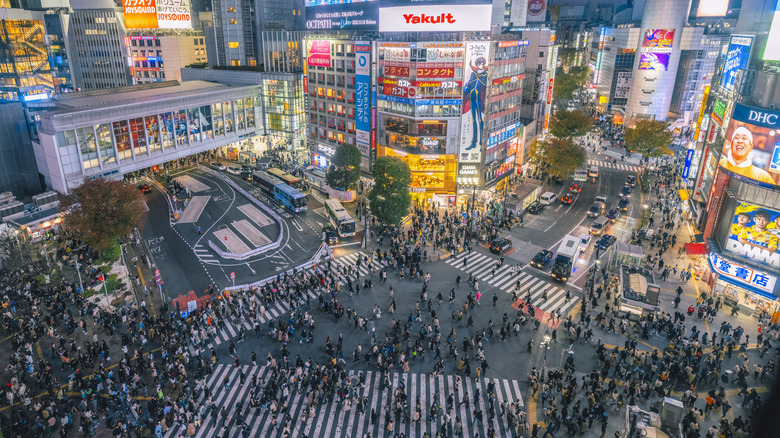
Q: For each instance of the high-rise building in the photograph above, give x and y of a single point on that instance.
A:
(159, 56)
(25, 73)
(99, 55)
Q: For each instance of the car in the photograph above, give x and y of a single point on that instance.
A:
(217, 165)
(567, 199)
(605, 241)
(234, 170)
(499, 245)
(575, 188)
(144, 188)
(558, 180)
(613, 214)
(329, 235)
(246, 168)
(596, 209)
(536, 208)
(542, 259)
(601, 198)
(623, 204)
(626, 192)
(246, 176)
(631, 180)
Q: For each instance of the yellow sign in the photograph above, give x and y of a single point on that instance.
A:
(683, 195)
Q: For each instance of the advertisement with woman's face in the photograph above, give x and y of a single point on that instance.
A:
(748, 152)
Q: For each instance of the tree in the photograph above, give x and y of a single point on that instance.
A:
(344, 171)
(567, 56)
(649, 138)
(566, 124)
(557, 156)
(566, 82)
(100, 211)
(390, 198)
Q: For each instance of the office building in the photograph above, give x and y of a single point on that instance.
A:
(160, 55)
(25, 73)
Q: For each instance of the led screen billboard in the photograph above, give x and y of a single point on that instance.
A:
(653, 61)
(751, 149)
(712, 8)
(157, 14)
(436, 18)
(772, 49)
(343, 16)
(737, 58)
(754, 233)
(658, 38)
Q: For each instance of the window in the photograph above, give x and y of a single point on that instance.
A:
(233, 44)
(231, 9)
(231, 21)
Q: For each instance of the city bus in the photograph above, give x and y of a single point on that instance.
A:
(339, 218)
(265, 181)
(290, 180)
(291, 198)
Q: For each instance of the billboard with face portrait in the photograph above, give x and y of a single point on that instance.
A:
(472, 121)
(751, 149)
(753, 233)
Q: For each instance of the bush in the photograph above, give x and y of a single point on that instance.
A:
(111, 254)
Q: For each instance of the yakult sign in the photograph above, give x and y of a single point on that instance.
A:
(435, 18)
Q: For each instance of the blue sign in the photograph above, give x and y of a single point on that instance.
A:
(421, 101)
(363, 92)
(688, 159)
(503, 134)
(737, 58)
(184, 314)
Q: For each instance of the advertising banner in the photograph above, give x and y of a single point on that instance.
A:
(537, 11)
(435, 72)
(472, 123)
(623, 85)
(319, 53)
(743, 276)
(653, 61)
(737, 58)
(342, 16)
(396, 54)
(772, 49)
(754, 234)
(713, 8)
(658, 39)
(687, 167)
(363, 94)
(157, 14)
(751, 149)
(394, 70)
(436, 18)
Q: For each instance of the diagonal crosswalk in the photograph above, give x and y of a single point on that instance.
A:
(506, 279)
(333, 417)
(619, 166)
(340, 266)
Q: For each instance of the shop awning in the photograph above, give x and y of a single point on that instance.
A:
(696, 248)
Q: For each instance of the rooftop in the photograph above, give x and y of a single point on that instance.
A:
(132, 94)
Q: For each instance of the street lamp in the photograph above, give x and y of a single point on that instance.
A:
(546, 345)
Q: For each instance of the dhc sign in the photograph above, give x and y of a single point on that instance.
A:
(756, 116)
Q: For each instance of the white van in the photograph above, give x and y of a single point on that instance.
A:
(584, 242)
(593, 172)
(547, 198)
(599, 226)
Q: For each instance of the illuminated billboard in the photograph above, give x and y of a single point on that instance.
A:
(653, 61)
(342, 16)
(472, 125)
(157, 14)
(537, 11)
(772, 50)
(737, 58)
(754, 233)
(318, 53)
(436, 18)
(712, 8)
(751, 150)
(658, 39)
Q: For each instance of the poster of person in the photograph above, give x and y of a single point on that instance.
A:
(748, 152)
(472, 122)
(754, 233)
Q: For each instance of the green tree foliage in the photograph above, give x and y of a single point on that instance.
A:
(566, 124)
(390, 198)
(567, 56)
(557, 156)
(344, 171)
(100, 211)
(649, 138)
(566, 82)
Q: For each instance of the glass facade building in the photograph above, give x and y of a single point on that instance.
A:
(24, 61)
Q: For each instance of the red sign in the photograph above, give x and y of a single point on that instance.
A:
(392, 70)
(410, 83)
(319, 53)
(549, 94)
(508, 79)
(305, 84)
(394, 90)
(435, 72)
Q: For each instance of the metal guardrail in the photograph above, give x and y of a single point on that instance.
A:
(323, 251)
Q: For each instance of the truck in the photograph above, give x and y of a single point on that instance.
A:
(568, 251)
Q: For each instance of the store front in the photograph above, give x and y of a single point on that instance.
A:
(756, 293)
(433, 176)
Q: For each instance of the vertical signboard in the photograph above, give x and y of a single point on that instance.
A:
(363, 96)
(622, 85)
(737, 58)
(472, 121)
(687, 167)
